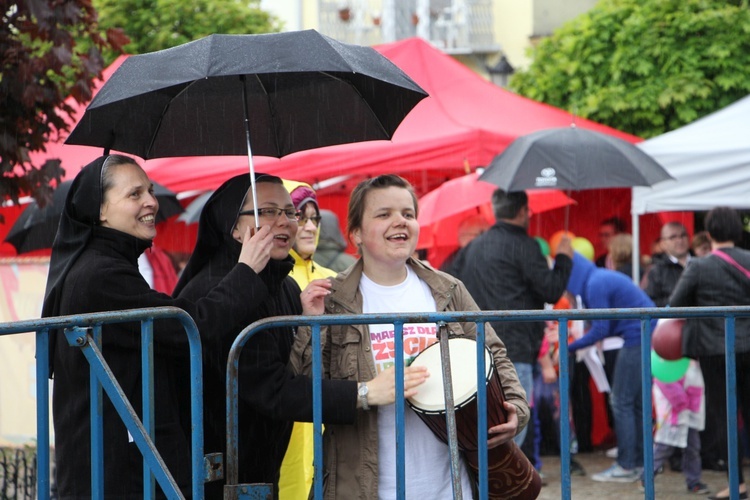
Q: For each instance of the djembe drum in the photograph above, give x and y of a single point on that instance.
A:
(510, 474)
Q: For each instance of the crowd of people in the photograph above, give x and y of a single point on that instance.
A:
(276, 252)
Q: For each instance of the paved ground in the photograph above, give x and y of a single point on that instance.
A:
(669, 485)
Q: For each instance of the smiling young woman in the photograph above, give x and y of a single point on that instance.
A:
(360, 459)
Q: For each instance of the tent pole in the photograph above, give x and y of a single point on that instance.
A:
(636, 248)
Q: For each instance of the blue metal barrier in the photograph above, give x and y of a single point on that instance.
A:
(84, 331)
(645, 315)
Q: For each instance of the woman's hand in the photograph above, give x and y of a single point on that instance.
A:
(552, 332)
(549, 374)
(256, 248)
(313, 297)
(504, 432)
(382, 389)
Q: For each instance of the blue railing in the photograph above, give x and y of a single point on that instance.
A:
(644, 315)
(84, 331)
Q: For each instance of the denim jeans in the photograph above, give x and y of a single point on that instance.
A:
(526, 377)
(691, 457)
(627, 407)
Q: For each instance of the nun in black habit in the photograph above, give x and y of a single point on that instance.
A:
(271, 395)
(107, 222)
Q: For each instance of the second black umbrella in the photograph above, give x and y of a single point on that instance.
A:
(574, 159)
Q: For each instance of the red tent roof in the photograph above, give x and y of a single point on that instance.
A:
(464, 123)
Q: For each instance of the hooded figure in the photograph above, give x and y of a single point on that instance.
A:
(308, 233)
(332, 245)
(271, 396)
(297, 469)
(601, 288)
(107, 222)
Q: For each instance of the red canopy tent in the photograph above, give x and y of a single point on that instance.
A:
(464, 123)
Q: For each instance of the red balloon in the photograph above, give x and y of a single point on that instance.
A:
(667, 339)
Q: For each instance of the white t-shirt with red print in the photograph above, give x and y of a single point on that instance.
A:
(427, 458)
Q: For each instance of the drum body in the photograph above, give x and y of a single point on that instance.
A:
(510, 474)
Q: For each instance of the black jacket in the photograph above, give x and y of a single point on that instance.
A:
(662, 278)
(271, 395)
(504, 269)
(105, 277)
(709, 281)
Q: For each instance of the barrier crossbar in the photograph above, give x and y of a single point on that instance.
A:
(644, 315)
(84, 331)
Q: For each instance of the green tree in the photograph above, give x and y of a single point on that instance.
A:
(160, 24)
(40, 66)
(644, 67)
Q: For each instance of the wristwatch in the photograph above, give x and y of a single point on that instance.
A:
(362, 393)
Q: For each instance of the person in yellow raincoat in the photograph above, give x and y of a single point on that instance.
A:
(297, 467)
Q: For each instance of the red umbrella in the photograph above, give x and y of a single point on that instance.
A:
(442, 210)
(467, 195)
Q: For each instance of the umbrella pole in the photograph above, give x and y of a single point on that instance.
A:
(249, 152)
(567, 213)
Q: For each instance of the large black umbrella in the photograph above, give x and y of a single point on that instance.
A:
(36, 227)
(574, 159)
(292, 91)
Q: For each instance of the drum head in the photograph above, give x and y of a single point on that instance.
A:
(463, 355)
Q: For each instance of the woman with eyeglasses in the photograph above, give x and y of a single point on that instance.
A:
(271, 395)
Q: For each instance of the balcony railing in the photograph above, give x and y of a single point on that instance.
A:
(455, 26)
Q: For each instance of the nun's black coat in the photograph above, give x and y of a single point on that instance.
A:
(102, 275)
(271, 396)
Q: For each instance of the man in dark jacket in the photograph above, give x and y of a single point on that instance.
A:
(504, 269)
(663, 275)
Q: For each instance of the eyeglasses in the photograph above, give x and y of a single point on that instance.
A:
(302, 219)
(676, 237)
(272, 213)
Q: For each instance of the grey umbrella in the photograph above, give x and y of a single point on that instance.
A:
(291, 91)
(192, 213)
(574, 159)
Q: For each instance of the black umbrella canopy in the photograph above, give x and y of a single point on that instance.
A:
(299, 90)
(572, 158)
(36, 227)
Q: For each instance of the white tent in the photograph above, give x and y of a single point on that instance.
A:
(710, 161)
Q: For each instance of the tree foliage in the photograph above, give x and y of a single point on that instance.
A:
(41, 66)
(52, 49)
(160, 24)
(644, 67)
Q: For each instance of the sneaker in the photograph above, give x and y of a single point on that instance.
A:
(611, 453)
(616, 474)
(543, 478)
(576, 469)
(699, 489)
